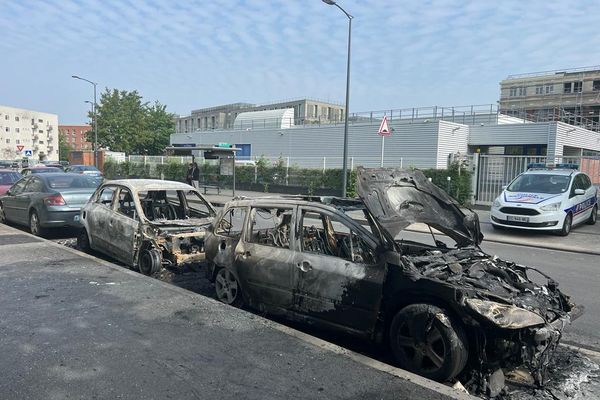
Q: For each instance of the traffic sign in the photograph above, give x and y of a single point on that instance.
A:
(20, 147)
(28, 153)
(384, 128)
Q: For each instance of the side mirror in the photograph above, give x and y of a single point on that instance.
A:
(504, 187)
(579, 192)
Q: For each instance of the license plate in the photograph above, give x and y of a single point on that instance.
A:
(517, 218)
(76, 218)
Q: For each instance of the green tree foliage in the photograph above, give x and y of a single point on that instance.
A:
(63, 148)
(127, 123)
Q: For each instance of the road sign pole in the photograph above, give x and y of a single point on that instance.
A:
(382, 149)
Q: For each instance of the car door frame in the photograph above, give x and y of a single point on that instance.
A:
(94, 223)
(267, 273)
(10, 200)
(126, 229)
(579, 203)
(355, 290)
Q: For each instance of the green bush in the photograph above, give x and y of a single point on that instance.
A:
(459, 185)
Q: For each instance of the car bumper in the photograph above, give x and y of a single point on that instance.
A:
(56, 219)
(546, 220)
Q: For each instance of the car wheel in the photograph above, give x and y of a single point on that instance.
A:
(150, 261)
(34, 224)
(2, 216)
(83, 241)
(228, 289)
(567, 225)
(590, 221)
(426, 341)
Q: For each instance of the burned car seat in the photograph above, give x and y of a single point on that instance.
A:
(156, 206)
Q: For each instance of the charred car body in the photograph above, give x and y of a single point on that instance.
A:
(337, 263)
(146, 223)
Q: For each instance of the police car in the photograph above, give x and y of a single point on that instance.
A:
(547, 198)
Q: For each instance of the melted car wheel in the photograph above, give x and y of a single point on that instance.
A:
(150, 261)
(424, 340)
(83, 241)
(228, 288)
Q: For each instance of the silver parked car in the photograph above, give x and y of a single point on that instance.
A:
(146, 223)
(43, 201)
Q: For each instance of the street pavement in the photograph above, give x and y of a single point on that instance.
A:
(74, 326)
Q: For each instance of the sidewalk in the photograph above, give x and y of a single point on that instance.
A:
(74, 326)
(583, 238)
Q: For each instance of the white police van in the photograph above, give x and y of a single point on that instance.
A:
(547, 198)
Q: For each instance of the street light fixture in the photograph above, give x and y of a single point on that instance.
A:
(94, 106)
(345, 158)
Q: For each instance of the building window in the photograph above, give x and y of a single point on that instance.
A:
(40, 131)
(17, 130)
(6, 116)
(567, 87)
(596, 85)
(522, 91)
(316, 114)
(18, 141)
(7, 140)
(539, 90)
(40, 120)
(7, 129)
(41, 142)
(16, 118)
(577, 87)
(512, 92)
(549, 89)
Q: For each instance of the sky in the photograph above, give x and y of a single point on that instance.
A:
(195, 54)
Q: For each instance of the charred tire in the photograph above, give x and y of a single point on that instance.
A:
(150, 261)
(83, 241)
(35, 226)
(426, 341)
(567, 225)
(591, 220)
(228, 289)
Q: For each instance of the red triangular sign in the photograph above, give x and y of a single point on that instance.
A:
(384, 128)
(20, 147)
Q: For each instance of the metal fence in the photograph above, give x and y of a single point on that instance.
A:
(492, 172)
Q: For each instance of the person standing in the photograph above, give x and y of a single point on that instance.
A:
(189, 175)
(195, 175)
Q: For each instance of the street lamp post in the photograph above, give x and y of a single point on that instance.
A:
(345, 158)
(94, 106)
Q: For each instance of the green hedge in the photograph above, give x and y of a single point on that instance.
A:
(459, 185)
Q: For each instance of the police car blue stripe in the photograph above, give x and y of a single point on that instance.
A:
(583, 206)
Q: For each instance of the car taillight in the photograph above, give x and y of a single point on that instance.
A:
(55, 200)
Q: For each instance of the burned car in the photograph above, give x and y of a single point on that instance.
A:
(146, 223)
(446, 312)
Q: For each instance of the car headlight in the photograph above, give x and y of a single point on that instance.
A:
(505, 315)
(496, 203)
(551, 207)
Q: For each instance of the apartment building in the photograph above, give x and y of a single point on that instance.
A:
(306, 111)
(28, 133)
(571, 95)
(75, 136)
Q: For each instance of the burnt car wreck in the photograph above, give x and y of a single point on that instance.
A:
(146, 223)
(447, 313)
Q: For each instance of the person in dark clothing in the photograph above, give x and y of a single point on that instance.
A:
(189, 174)
(195, 175)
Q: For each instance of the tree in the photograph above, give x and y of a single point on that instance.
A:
(127, 123)
(63, 148)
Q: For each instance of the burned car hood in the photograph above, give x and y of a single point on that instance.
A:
(398, 198)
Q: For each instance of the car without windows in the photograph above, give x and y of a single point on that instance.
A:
(49, 200)
(146, 223)
(338, 263)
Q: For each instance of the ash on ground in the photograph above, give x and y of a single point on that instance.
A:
(571, 376)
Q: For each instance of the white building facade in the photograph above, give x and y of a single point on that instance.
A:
(28, 133)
